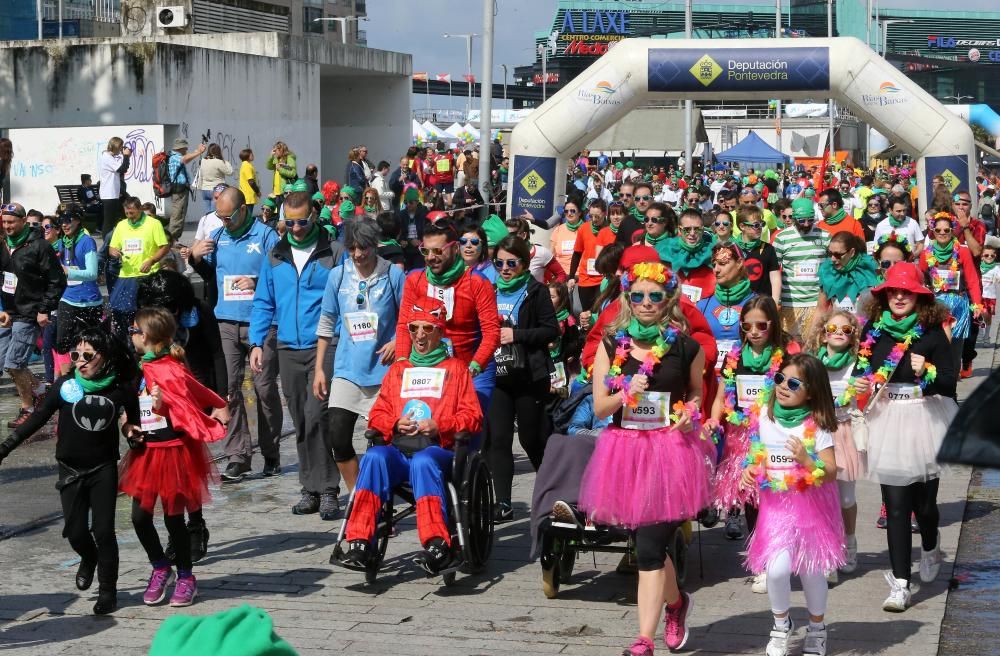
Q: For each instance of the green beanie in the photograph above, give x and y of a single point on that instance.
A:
(346, 209)
(350, 191)
(495, 230)
(269, 202)
(802, 208)
(326, 213)
(770, 173)
(298, 185)
(619, 166)
(242, 631)
(810, 193)
(410, 194)
(628, 163)
(320, 197)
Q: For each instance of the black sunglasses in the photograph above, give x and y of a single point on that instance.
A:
(291, 223)
(468, 240)
(505, 264)
(794, 384)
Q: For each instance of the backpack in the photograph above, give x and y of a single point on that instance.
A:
(162, 186)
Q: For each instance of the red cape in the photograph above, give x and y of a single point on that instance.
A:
(184, 399)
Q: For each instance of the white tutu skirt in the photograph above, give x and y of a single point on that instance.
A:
(904, 438)
(851, 463)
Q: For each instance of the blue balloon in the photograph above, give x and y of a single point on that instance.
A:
(71, 391)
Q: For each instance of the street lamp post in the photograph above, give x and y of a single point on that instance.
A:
(504, 67)
(468, 56)
(829, 33)
(543, 50)
(343, 23)
(958, 98)
(486, 106)
(689, 104)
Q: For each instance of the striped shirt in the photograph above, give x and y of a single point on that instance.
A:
(799, 256)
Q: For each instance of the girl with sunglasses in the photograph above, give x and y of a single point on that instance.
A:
(846, 274)
(169, 460)
(650, 469)
(889, 249)
(799, 531)
(990, 275)
(905, 345)
(747, 371)
(474, 248)
(722, 226)
(528, 325)
(565, 349)
(835, 342)
(732, 290)
(81, 304)
(562, 239)
(89, 402)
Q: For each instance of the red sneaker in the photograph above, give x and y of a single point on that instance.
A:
(966, 371)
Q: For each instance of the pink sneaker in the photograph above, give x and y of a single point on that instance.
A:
(156, 590)
(184, 592)
(640, 647)
(675, 633)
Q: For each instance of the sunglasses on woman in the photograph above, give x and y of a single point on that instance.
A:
(291, 223)
(505, 264)
(571, 212)
(467, 241)
(836, 255)
(942, 231)
(723, 224)
(793, 384)
(638, 298)
(656, 219)
(759, 326)
(86, 356)
(833, 329)
(886, 264)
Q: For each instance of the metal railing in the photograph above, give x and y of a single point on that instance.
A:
(445, 116)
(101, 11)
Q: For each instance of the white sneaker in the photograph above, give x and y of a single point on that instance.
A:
(759, 583)
(899, 594)
(832, 578)
(852, 556)
(930, 561)
(815, 642)
(778, 644)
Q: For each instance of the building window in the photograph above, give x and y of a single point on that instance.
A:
(309, 16)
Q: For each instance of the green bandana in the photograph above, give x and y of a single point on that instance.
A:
(896, 224)
(14, 242)
(747, 246)
(856, 276)
(390, 242)
(986, 267)
(93, 384)
(614, 228)
(594, 229)
(898, 328)
(429, 359)
(642, 332)
(634, 211)
(514, 284)
(756, 363)
(142, 219)
(833, 361)
(573, 227)
(733, 295)
(944, 253)
(242, 229)
(685, 258)
(449, 277)
(653, 241)
(310, 239)
(562, 315)
(837, 218)
(790, 417)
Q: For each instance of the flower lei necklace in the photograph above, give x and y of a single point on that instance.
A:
(939, 284)
(885, 371)
(732, 414)
(801, 477)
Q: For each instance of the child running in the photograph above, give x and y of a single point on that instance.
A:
(799, 529)
(169, 460)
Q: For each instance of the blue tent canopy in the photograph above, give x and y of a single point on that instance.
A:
(752, 150)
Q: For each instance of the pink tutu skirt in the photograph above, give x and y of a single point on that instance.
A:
(637, 478)
(852, 465)
(727, 489)
(806, 524)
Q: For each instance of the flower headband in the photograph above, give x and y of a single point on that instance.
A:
(654, 271)
(897, 239)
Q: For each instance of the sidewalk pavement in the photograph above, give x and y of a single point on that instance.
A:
(263, 555)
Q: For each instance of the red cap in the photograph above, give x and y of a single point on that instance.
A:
(435, 215)
(636, 254)
(429, 310)
(904, 275)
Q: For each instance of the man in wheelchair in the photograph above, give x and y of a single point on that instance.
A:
(425, 400)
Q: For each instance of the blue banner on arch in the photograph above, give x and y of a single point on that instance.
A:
(739, 69)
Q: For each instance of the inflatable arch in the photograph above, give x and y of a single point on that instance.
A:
(637, 70)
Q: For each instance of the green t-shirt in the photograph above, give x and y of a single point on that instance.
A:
(800, 257)
(138, 244)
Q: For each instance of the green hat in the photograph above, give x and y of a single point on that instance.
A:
(802, 208)
(326, 213)
(758, 187)
(810, 193)
(495, 230)
(291, 187)
(619, 166)
(350, 191)
(242, 631)
(269, 202)
(628, 163)
(319, 196)
(770, 173)
(411, 194)
(346, 209)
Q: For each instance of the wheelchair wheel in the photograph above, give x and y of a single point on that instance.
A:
(566, 563)
(679, 554)
(477, 513)
(382, 531)
(550, 578)
(449, 579)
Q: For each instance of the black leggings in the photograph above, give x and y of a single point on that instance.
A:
(150, 539)
(93, 539)
(526, 402)
(587, 297)
(341, 423)
(651, 544)
(900, 501)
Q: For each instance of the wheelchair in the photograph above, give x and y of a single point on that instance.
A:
(469, 498)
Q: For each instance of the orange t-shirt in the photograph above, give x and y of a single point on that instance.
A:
(849, 224)
(590, 245)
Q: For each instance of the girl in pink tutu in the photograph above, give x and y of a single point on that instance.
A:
(799, 529)
(650, 469)
(170, 461)
(834, 340)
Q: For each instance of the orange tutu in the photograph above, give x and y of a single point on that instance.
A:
(178, 475)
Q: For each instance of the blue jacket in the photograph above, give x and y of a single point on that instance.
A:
(81, 275)
(357, 360)
(242, 256)
(583, 418)
(289, 299)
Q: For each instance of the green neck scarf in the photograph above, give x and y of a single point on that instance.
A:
(449, 277)
(309, 240)
(747, 245)
(856, 276)
(986, 267)
(735, 294)
(634, 211)
(390, 242)
(896, 223)
(14, 242)
(756, 363)
(790, 417)
(594, 229)
(614, 228)
(514, 284)
(832, 360)
(686, 258)
(642, 332)
(242, 229)
(94, 384)
(653, 241)
(69, 242)
(429, 359)
(944, 253)
(898, 328)
(149, 356)
(573, 227)
(142, 219)
(562, 315)
(837, 218)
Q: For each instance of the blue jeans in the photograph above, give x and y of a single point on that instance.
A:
(206, 195)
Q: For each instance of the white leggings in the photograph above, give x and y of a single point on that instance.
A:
(846, 491)
(779, 586)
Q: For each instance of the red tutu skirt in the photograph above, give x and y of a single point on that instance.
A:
(178, 475)
(806, 524)
(637, 478)
(728, 490)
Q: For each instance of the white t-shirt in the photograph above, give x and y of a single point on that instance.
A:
(300, 256)
(991, 283)
(670, 196)
(111, 184)
(207, 225)
(605, 195)
(910, 230)
(540, 258)
(774, 436)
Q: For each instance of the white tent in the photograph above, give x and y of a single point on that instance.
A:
(471, 129)
(432, 131)
(419, 133)
(454, 129)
